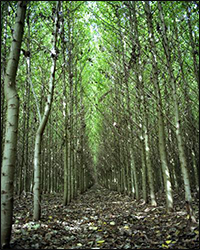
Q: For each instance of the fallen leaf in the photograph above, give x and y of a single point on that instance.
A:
(100, 241)
(93, 228)
(36, 226)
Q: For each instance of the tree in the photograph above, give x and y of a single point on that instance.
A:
(161, 129)
(43, 122)
(12, 101)
(179, 135)
(149, 76)
(120, 107)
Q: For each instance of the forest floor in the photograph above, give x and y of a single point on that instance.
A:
(103, 219)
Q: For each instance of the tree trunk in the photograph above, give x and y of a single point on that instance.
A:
(161, 133)
(192, 132)
(143, 109)
(134, 179)
(179, 135)
(194, 48)
(12, 100)
(40, 131)
(4, 35)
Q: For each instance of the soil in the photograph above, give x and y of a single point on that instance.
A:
(104, 219)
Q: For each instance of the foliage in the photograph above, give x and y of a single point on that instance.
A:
(105, 105)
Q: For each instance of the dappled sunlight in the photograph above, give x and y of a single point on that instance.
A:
(100, 125)
(106, 218)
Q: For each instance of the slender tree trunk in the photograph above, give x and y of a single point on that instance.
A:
(144, 170)
(134, 178)
(81, 139)
(50, 154)
(194, 48)
(179, 135)
(21, 163)
(193, 134)
(148, 161)
(40, 131)
(143, 108)
(12, 100)
(161, 133)
(75, 134)
(65, 114)
(4, 35)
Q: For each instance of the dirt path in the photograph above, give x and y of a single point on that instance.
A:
(103, 219)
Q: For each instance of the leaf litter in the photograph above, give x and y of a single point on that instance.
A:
(104, 219)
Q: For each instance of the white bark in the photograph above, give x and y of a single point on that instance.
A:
(10, 149)
(41, 128)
